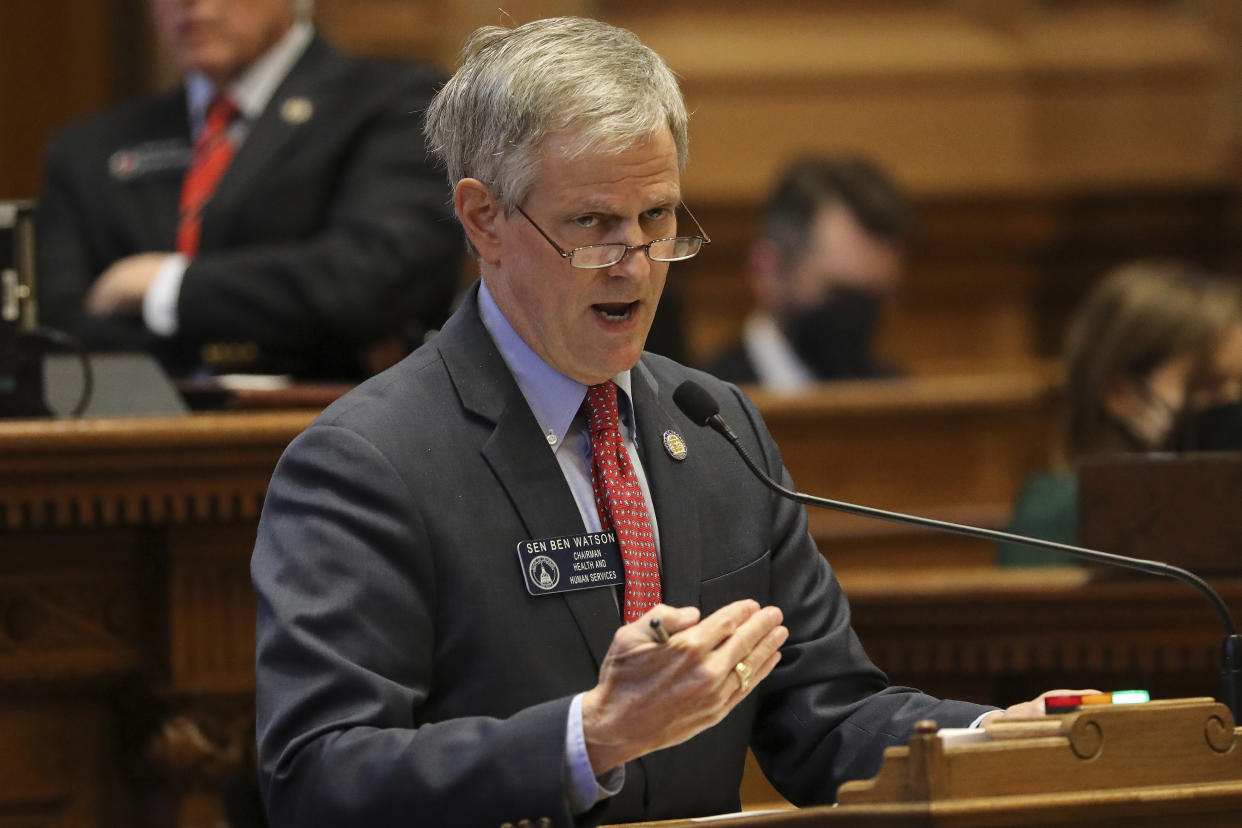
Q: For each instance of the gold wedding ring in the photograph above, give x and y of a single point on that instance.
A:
(744, 674)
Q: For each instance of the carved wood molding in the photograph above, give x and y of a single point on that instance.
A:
(65, 474)
(988, 623)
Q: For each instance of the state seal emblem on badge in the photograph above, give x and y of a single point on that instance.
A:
(544, 572)
(674, 445)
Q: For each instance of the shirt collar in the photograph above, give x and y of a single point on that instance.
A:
(553, 398)
(254, 88)
(777, 364)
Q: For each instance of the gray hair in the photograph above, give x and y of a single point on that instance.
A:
(594, 83)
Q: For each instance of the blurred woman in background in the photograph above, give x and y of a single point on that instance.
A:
(1153, 362)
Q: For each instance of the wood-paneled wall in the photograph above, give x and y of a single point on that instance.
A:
(1044, 140)
(61, 60)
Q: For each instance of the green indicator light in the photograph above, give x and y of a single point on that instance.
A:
(1130, 696)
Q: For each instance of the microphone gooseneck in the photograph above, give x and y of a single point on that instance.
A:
(703, 410)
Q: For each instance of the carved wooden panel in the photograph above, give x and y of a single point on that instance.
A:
(65, 618)
(60, 766)
(126, 616)
(211, 609)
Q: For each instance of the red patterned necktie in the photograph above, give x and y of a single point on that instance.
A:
(621, 503)
(210, 158)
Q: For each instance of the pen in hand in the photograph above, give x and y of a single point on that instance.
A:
(658, 632)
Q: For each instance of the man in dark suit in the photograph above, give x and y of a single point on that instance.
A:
(507, 582)
(274, 214)
(830, 253)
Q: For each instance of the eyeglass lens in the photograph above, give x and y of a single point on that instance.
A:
(660, 250)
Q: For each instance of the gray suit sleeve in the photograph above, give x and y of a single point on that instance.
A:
(344, 574)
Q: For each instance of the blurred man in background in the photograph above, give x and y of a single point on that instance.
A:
(831, 250)
(274, 213)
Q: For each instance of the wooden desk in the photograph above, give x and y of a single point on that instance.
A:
(1004, 636)
(1163, 764)
(126, 617)
(951, 447)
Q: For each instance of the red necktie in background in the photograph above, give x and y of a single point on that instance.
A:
(209, 159)
(621, 503)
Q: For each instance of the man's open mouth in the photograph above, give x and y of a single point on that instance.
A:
(615, 311)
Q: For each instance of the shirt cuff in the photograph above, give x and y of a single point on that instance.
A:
(585, 788)
(983, 715)
(159, 303)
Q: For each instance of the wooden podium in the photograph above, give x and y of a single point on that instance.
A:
(1164, 763)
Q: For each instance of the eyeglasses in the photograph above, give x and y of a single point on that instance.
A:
(595, 256)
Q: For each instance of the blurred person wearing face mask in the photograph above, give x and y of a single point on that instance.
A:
(265, 215)
(831, 251)
(1153, 362)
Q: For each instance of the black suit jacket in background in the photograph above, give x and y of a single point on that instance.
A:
(330, 230)
(734, 365)
(406, 677)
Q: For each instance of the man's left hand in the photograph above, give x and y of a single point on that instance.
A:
(120, 288)
(1033, 708)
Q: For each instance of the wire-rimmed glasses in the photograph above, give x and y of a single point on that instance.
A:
(595, 256)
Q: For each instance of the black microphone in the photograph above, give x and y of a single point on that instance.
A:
(702, 409)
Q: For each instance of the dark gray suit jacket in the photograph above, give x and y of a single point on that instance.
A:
(323, 236)
(405, 676)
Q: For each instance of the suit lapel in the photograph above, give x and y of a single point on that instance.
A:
(303, 96)
(517, 456)
(672, 487)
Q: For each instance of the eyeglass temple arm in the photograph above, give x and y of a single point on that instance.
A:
(703, 235)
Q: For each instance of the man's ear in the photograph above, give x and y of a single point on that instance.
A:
(481, 216)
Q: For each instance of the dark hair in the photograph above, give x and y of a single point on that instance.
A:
(810, 184)
(1141, 315)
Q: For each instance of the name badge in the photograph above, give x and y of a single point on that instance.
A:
(554, 565)
(151, 157)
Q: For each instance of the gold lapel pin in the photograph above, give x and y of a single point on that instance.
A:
(674, 445)
(296, 110)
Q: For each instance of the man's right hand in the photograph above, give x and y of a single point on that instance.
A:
(121, 288)
(652, 696)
